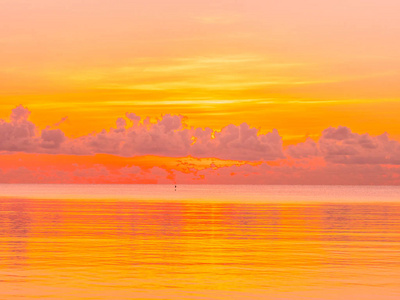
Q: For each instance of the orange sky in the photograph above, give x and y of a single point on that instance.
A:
(297, 66)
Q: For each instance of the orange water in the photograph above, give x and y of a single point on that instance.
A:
(120, 242)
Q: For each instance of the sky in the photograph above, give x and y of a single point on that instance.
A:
(235, 92)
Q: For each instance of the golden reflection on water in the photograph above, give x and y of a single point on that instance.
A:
(62, 249)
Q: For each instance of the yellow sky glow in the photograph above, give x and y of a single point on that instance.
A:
(296, 66)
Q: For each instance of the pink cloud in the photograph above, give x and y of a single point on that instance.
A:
(19, 114)
(238, 143)
(133, 117)
(63, 120)
(121, 124)
(341, 145)
(309, 148)
(52, 138)
(19, 134)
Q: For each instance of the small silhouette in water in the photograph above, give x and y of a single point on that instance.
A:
(175, 188)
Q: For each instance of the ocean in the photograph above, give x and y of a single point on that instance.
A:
(199, 242)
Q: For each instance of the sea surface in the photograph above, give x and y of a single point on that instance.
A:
(199, 242)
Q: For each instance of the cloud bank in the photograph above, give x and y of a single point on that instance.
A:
(132, 136)
(175, 152)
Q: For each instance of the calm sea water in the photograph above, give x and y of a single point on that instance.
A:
(199, 242)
